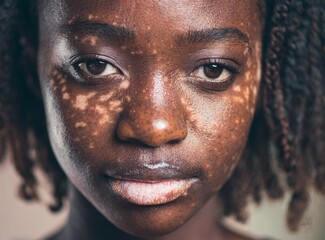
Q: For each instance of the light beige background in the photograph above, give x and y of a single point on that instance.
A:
(20, 220)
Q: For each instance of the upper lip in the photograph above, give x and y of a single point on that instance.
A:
(142, 172)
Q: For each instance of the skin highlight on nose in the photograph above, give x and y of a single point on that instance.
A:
(152, 127)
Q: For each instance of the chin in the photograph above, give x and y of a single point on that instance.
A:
(151, 221)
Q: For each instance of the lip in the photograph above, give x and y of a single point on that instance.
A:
(153, 171)
(149, 193)
(151, 181)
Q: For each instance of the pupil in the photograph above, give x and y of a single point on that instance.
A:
(96, 67)
(212, 70)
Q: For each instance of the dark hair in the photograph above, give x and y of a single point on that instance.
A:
(286, 145)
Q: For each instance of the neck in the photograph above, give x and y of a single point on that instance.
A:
(86, 222)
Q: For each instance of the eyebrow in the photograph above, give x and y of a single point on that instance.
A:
(215, 35)
(123, 35)
(102, 30)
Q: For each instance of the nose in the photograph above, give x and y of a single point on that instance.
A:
(150, 123)
(151, 126)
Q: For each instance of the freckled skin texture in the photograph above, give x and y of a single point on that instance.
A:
(153, 110)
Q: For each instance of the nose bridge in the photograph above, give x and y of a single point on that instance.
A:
(159, 90)
(154, 115)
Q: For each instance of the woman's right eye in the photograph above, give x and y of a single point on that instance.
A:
(96, 68)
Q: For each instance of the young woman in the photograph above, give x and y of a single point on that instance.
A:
(163, 116)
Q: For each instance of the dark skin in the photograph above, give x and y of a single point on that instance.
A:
(144, 95)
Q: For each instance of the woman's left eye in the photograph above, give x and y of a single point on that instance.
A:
(214, 76)
(212, 72)
(96, 68)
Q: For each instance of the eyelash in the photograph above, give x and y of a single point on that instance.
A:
(213, 84)
(82, 74)
(224, 63)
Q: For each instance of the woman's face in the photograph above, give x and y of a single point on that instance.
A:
(149, 103)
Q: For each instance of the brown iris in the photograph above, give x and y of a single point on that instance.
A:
(212, 70)
(96, 67)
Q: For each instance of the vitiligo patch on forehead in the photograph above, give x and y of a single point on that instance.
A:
(91, 17)
(138, 52)
(91, 40)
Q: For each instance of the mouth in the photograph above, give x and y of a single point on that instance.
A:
(149, 193)
(151, 182)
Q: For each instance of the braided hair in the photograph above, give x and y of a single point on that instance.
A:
(286, 146)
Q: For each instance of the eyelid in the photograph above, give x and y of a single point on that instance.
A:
(228, 64)
(94, 56)
(82, 65)
(210, 85)
(84, 57)
(83, 77)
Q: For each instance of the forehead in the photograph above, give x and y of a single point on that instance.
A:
(179, 15)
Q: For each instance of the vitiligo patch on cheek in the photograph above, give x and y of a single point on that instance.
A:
(246, 93)
(248, 76)
(115, 105)
(238, 99)
(80, 124)
(258, 50)
(58, 83)
(104, 114)
(65, 96)
(127, 98)
(246, 52)
(124, 85)
(244, 96)
(79, 105)
(237, 88)
(81, 101)
(105, 97)
(190, 112)
(100, 109)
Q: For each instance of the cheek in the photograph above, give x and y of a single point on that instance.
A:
(222, 123)
(80, 120)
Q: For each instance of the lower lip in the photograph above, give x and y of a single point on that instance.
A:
(151, 193)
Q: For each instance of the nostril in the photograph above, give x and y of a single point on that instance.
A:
(125, 131)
